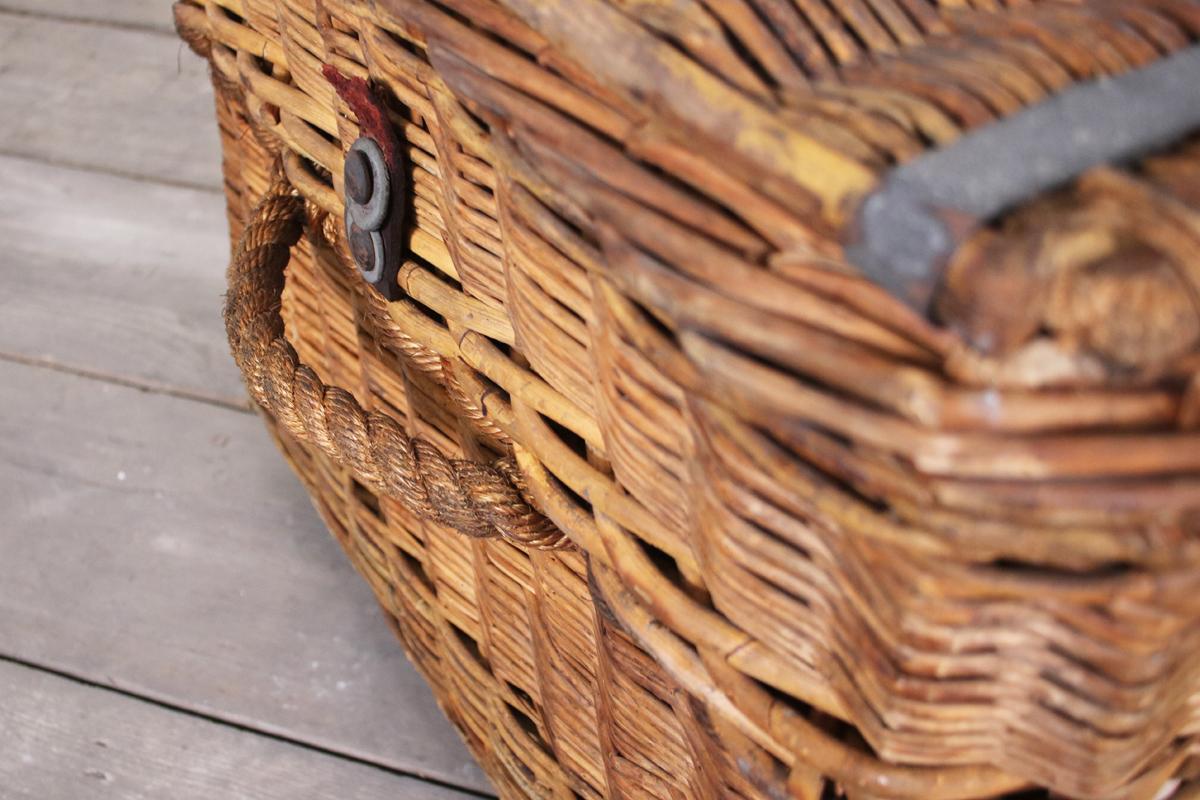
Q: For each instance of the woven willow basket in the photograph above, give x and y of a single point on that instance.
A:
(680, 472)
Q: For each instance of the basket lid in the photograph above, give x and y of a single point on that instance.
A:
(955, 156)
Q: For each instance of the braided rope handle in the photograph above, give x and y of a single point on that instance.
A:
(479, 500)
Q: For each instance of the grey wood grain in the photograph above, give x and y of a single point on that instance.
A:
(161, 545)
(129, 101)
(115, 276)
(150, 14)
(65, 740)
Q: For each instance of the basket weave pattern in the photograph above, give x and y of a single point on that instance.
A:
(820, 543)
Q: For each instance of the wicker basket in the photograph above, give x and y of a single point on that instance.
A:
(679, 470)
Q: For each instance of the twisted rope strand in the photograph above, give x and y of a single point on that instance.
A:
(479, 500)
(374, 307)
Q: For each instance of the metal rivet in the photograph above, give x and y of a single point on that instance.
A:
(366, 247)
(357, 177)
(361, 249)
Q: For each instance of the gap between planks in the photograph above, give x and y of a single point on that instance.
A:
(131, 289)
(67, 738)
(129, 383)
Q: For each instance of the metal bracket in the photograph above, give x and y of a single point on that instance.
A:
(374, 215)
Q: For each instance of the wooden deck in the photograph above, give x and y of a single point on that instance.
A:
(174, 619)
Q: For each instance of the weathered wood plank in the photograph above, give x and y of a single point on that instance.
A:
(161, 546)
(116, 276)
(151, 14)
(134, 102)
(64, 739)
